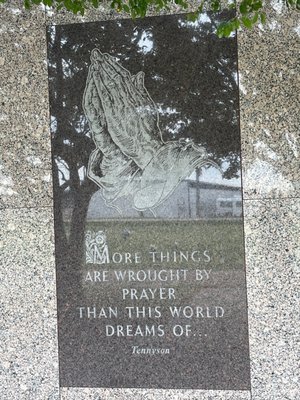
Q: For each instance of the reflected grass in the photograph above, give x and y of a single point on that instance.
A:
(222, 239)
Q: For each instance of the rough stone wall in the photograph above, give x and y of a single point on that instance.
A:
(269, 87)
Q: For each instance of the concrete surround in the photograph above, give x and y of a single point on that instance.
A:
(269, 75)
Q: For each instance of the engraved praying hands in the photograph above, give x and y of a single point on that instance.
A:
(130, 158)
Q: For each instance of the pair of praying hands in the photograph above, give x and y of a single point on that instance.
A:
(131, 158)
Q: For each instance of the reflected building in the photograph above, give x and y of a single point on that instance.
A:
(192, 199)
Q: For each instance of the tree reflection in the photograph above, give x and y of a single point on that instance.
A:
(190, 74)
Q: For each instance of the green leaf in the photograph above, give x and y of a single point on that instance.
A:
(263, 17)
(181, 3)
(235, 22)
(133, 14)
(225, 29)
(247, 22)
(48, 3)
(257, 5)
(192, 17)
(243, 8)
(215, 5)
(255, 18)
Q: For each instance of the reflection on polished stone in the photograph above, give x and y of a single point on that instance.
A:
(148, 208)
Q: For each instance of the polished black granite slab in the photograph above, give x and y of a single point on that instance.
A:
(148, 210)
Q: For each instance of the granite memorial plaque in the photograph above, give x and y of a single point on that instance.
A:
(148, 210)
